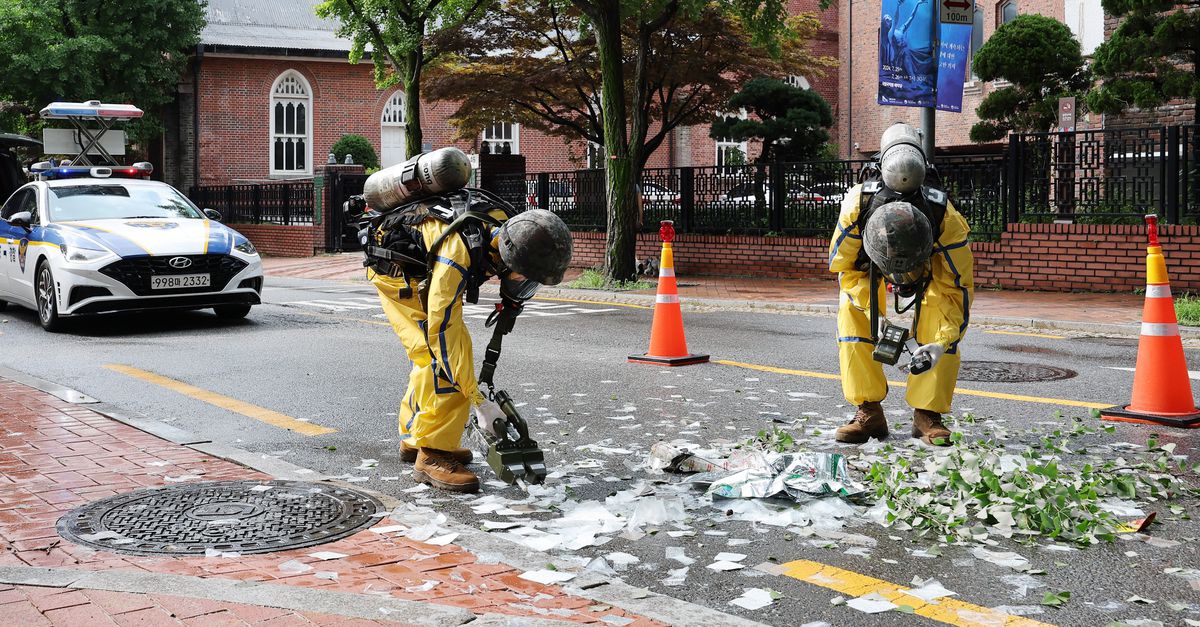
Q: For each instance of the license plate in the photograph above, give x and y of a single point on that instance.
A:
(180, 281)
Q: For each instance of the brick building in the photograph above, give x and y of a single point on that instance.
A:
(862, 120)
(269, 90)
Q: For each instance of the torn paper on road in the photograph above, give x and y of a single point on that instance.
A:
(798, 476)
(547, 577)
(754, 599)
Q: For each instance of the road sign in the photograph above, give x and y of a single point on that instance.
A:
(1066, 114)
(958, 12)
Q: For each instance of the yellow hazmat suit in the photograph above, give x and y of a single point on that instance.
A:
(945, 311)
(442, 385)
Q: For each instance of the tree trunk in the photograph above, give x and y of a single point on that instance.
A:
(620, 169)
(412, 103)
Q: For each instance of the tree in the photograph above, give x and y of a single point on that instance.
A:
(1145, 62)
(75, 50)
(402, 36)
(1042, 61)
(792, 122)
(668, 63)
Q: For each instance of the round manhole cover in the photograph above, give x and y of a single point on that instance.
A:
(1011, 372)
(227, 516)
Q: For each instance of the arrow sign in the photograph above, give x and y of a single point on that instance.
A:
(958, 12)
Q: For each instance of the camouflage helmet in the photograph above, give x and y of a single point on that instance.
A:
(902, 158)
(536, 244)
(899, 241)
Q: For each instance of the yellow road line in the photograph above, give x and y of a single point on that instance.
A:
(593, 302)
(944, 610)
(962, 391)
(1041, 335)
(249, 410)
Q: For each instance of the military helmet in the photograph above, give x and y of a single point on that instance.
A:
(899, 241)
(902, 158)
(536, 244)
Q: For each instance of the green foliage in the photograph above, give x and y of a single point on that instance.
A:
(1144, 63)
(132, 51)
(977, 489)
(1187, 310)
(1042, 61)
(359, 148)
(774, 440)
(792, 122)
(405, 37)
(595, 280)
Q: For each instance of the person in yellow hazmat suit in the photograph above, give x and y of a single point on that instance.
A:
(423, 301)
(895, 231)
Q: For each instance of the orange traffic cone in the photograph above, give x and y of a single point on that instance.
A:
(1162, 391)
(668, 346)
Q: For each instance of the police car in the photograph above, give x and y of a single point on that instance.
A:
(94, 239)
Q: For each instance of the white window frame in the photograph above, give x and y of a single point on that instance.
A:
(798, 81)
(488, 136)
(392, 116)
(976, 30)
(595, 156)
(723, 144)
(307, 100)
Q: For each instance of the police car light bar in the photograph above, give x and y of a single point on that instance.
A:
(90, 109)
(48, 172)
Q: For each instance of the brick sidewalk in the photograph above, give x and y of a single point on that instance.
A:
(1105, 308)
(55, 456)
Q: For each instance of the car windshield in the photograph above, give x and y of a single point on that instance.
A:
(96, 202)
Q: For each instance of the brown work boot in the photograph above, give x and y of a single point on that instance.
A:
(408, 453)
(928, 426)
(868, 422)
(441, 470)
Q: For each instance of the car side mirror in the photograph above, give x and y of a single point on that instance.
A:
(212, 214)
(21, 219)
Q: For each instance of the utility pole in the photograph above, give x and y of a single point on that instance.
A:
(929, 114)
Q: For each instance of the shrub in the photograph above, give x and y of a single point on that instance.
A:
(360, 150)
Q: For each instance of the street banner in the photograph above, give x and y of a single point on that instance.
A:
(954, 45)
(907, 71)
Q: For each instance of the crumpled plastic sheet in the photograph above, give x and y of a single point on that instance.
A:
(798, 476)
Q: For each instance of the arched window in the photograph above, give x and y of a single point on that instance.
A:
(1007, 12)
(291, 125)
(391, 131)
(501, 138)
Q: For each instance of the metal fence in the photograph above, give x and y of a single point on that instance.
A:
(1096, 176)
(266, 203)
(743, 199)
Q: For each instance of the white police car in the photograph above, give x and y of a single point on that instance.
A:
(88, 240)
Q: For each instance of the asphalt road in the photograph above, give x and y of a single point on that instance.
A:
(320, 353)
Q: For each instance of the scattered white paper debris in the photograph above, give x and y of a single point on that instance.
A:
(676, 577)
(723, 566)
(676, 554)
(1001, 558)
(326, 574)
(547, 577)
(442, 540)
(730, 557)
(292, 566)
(872, 603)
(929, 590)
(388, 529)
(424, 587)
(754, 599)
(327, 555)
(261, 488)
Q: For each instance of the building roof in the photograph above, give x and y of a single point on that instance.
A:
(270, 26)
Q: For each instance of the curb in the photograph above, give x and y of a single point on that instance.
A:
(486, 547)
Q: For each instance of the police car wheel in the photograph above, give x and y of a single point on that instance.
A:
(3, 305)
(47, 304)
(232, 312)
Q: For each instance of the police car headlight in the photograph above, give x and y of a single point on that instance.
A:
(247, 248)
(84, 255)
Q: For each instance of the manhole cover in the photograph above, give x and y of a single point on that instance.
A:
(1011, 372)
(228, 516)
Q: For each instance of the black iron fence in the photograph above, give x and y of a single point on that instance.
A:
(1096, 176)
(266, 203)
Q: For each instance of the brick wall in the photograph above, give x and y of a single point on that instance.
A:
(1049, 257)
(278, 240)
